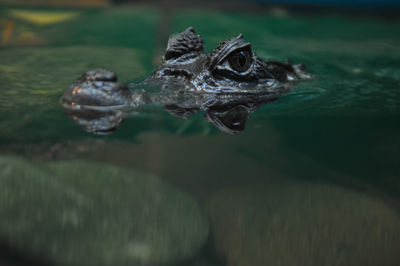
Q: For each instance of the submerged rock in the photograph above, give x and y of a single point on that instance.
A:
(290, 224)
(82, 213)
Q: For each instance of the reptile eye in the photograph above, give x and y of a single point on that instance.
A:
(240, 60)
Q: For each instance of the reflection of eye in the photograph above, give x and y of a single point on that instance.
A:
(240, 60)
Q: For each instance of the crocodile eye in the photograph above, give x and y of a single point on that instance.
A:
(240, 60)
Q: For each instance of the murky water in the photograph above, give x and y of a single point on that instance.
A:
(313, 180)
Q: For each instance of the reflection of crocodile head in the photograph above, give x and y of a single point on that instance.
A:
(227, 84)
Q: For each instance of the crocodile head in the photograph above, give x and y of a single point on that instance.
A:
(231, 68)
(228, 84)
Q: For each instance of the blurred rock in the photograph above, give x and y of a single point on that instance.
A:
(82, 213)
(42, 17)
(294, 223)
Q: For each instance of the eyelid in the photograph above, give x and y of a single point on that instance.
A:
(219, 56)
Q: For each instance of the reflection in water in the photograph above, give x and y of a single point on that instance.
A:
(229, 113)
(227, 84)
(99, 121)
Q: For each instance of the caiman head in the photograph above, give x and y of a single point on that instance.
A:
(232, 67)
(228, 84)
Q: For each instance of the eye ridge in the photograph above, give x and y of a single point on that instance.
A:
(240, 60)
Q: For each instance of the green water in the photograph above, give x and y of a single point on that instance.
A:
(333, 140)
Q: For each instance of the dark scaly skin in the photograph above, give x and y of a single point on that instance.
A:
(227, 84)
